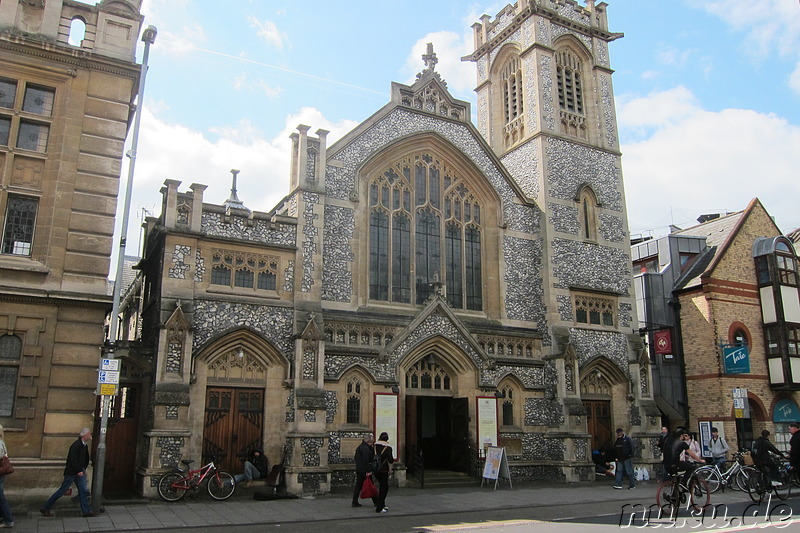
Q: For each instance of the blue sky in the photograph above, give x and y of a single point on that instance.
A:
(707, 94)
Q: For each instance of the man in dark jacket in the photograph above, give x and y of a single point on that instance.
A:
(363, 457)
(623, 449)
(74, 472)
(255, 468)
(794, 446)
(763, 458)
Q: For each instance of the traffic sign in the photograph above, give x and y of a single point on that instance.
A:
(109, 364)
(108, 389)
(108, 376)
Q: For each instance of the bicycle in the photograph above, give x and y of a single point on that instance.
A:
(174, 485)
(735, 476)
(672, 494)
(759, 483)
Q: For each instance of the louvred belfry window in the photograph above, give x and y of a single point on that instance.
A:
(423, 214)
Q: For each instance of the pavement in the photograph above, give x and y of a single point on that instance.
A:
(202, 512)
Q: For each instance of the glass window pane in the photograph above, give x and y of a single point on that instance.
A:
(33, 136)
(220, 275)
(10, 348)
(8, 389)
(20, 223)
(5, 128)
(8, 91)
(39, 100)
(267, 281)
(244, 278)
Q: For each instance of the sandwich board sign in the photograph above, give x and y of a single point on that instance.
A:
(496, 466)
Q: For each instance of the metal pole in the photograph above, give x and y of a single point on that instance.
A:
(148, 37)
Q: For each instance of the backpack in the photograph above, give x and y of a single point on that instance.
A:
(377, 462)
(754, 447)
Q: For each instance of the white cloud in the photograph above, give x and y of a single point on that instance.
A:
(657, 108)
(260, 86)
(672, 56)
(701, 162)
(268, 31)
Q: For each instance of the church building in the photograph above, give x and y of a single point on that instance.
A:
(455, 284)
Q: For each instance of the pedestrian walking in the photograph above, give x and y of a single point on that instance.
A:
(8, 518)
(623, 449)
(363, 457)
(385, 459)
(74, 472)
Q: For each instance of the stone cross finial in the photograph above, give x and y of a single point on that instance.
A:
(234, 201)
(430, 58)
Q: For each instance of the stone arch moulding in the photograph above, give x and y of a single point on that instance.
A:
(572, 42)
(439, 147)
(758, 411)
(359, 369)
(446, 354)
(607, 369)
(248, 340)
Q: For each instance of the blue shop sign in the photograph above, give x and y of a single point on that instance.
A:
(737, 359)
(786, 411)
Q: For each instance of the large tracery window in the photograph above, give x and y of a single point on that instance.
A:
(445, 221)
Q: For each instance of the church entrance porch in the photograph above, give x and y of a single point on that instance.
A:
(439, 427)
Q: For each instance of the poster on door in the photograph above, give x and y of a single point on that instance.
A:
(386, 418)
(487, 423)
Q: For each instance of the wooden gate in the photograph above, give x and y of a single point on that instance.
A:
(233, 425)
(121, 439)
(598, 421)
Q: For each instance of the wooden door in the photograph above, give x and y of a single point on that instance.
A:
(233, 425)
(459, 435)
(598, 422)
(121, 439)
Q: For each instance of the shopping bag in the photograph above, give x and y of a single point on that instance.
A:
(368, 490)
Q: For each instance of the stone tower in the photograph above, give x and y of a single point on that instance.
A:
(546, 107)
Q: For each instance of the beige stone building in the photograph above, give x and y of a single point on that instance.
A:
(68, 77)
(456, 286)
(736, 333)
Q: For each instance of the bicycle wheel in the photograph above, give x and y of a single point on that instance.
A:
(756, 486)
(699, 493)
(782, 491)
(169, 487)
(711, 477)
(668, 499)
(221, 486)
(743, 478)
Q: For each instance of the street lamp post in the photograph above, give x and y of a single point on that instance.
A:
(148, 37)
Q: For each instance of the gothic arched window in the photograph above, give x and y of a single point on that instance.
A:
(354, 401)
(569, 81)
(512, 89)
(445, 221)
(587, 214)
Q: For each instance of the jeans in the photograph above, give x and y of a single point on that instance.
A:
(83, 491)
(625, 467)
(250, 473)
(8, 518)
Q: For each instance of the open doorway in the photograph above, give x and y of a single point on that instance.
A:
(439, 426)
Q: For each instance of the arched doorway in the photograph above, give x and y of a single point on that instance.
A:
(598, 381)
(437, 420)
(241, 374)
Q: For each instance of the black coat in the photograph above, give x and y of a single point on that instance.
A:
(363, 457)
(386, 455)
(77, 458)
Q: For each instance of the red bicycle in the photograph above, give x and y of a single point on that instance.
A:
(174, 485)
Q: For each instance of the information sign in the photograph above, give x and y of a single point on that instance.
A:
(108, 389)
(496, 466)
(487, 423)
(386, 417)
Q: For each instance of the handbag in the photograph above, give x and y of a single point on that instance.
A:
(368, 489)
(5, 466)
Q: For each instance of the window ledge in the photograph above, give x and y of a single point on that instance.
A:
(12, 262)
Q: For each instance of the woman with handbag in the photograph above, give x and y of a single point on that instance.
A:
(8, 518)
(383, 452)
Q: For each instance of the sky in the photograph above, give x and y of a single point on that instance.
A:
(707, 95)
